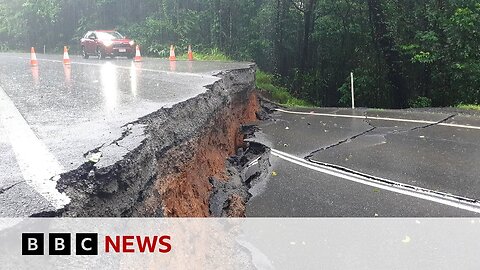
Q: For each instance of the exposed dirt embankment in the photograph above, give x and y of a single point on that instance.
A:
(184, 189)
(189, 151)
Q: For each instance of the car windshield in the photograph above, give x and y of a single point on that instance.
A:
(109, 35)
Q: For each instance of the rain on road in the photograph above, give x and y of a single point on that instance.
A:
(52, 115)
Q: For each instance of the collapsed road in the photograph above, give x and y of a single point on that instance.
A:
(176, 139)
(114, 138)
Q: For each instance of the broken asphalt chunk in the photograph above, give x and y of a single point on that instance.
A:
(94, 157)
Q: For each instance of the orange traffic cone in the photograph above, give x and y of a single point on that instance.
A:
(66, 57)
(172, 54)
(173, 66)
(33, 57)
(138, 56)
(190, 53)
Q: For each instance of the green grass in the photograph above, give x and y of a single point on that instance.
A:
(279, 94)
(211, 55)
(469, 107)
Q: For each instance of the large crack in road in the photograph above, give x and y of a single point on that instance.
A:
(192, 160)
(347, 140)
(205, 167)
(368, 121)
(472, 203)
(315, 183)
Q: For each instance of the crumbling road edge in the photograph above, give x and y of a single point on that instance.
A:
(181, 162)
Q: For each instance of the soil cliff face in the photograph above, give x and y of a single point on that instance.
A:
(180, 162)
(184, 189)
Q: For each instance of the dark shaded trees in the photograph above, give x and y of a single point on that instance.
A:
(386, 44)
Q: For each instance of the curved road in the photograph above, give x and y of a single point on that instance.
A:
(370, 163)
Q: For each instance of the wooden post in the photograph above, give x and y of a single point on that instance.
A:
(353, 91)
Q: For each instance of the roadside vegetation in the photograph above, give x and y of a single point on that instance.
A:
(469, 107)
(265, 82)
(207, 55)
(402, 53)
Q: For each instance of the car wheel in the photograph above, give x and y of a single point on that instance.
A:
(100, 53)
(130, 56)
(84, 53)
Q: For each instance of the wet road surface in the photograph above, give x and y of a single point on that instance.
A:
(370, 163)
(52, 115)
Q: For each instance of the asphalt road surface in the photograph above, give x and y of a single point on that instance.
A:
(52, 115)
(326, 163)
(370, 163)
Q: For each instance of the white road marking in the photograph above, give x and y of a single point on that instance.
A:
(416, 192)
(253, 162)
(38, 165)
(382, 119)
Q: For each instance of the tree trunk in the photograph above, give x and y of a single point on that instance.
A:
(308, 26)
(277, 40)
(383, 37)
(280, 54)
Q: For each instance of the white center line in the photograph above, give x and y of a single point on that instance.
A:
(38, 165)
(382, 119)
(417, 192)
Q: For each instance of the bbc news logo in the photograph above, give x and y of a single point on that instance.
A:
(59, 244)
(86, 244)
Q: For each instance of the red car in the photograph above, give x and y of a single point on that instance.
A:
(104, 43)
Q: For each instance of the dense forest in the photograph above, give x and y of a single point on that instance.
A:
(404, 53)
